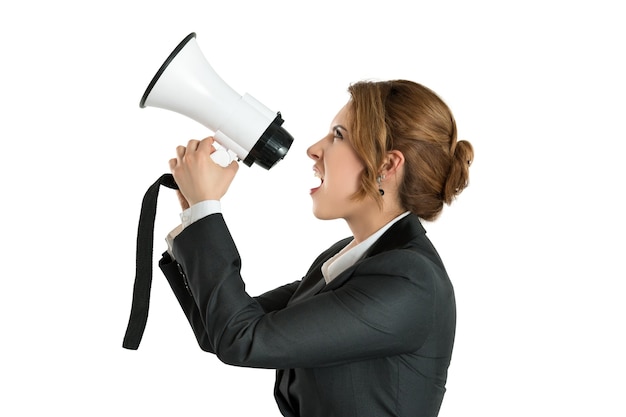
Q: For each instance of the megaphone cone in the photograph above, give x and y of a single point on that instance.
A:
(187, 84)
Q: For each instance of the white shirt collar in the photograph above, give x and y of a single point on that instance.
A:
(350, 254)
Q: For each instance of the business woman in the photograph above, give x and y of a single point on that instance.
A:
(369, 329)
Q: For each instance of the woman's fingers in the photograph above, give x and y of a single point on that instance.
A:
(197, 175)
(192, 145)
(207, 143)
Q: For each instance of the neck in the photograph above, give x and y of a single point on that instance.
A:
(366, 224)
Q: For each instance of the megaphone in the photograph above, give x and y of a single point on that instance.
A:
(187, 84)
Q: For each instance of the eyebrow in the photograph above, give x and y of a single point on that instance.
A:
(339, 127)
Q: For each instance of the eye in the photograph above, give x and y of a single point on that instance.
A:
(337, 134)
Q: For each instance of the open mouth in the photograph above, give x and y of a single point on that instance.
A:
(319, 177)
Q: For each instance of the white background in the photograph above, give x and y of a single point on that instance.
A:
(534, 246)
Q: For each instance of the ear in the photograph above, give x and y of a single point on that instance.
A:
(393, 163)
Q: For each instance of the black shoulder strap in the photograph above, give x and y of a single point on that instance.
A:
(143, 272)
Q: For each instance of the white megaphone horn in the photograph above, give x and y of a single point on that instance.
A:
(187, 84)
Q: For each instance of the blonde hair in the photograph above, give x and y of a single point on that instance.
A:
(406, 116)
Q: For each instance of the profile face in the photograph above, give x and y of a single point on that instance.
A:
(339, 169)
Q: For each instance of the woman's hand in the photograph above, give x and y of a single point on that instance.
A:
(198, 177)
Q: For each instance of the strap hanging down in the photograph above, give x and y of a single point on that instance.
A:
(143, 272)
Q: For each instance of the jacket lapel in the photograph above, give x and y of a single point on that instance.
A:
(313, 282)
(397, 236)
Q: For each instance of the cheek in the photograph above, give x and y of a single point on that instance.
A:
(349, 173)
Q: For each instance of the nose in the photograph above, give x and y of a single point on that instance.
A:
(315, 151)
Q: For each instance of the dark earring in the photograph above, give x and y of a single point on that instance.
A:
(378, 180)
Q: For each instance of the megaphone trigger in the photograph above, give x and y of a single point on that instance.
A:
(222, 156)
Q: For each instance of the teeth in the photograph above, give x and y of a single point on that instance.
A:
(318, 179)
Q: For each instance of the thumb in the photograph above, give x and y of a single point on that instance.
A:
(233, 167)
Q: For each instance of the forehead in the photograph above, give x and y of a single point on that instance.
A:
(344, 116)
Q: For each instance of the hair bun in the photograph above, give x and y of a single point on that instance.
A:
(458, 177)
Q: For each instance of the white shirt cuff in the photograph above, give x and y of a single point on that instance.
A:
(191, 215)
(200, 210)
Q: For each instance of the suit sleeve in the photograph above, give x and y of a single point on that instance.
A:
(278, 298)
(379, 312)
(180, 288)
(270, 301)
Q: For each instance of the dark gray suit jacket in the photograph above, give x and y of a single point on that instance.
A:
(376, 341)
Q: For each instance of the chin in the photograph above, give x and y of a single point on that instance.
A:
(322, 215)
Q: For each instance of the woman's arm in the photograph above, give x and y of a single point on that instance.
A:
(379, 312)
(179, 286)
(278, 298)
(270, 301)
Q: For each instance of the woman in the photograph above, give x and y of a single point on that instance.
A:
(369, 330)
